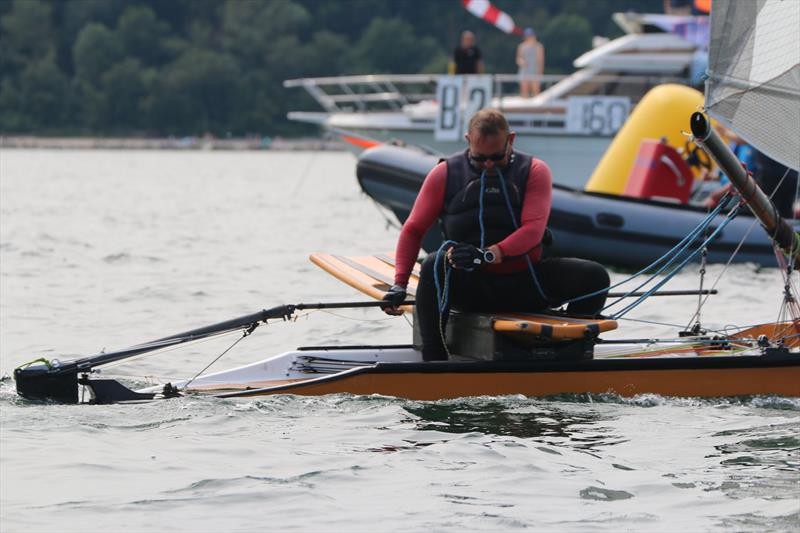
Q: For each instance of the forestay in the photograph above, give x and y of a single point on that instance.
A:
(754, 74)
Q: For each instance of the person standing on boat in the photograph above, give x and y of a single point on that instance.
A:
(467, 57)
(530, 60)
(488, 195)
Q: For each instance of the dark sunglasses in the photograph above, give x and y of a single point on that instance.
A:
(499, 156)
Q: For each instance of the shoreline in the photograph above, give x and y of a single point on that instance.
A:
(170, 143)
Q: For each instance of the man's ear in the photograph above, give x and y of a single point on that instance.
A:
(511, 137)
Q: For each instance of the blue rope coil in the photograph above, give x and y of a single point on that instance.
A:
(442, 293)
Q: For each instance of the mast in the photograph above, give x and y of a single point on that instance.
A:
(762, 207)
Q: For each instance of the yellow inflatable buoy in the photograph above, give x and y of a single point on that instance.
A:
(662, 113)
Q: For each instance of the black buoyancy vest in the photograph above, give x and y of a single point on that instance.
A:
(460, 217)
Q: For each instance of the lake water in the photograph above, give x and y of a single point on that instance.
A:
(104, 249)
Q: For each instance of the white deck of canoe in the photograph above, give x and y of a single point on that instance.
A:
(285, 368)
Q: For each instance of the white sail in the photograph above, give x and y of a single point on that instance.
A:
(754, 74)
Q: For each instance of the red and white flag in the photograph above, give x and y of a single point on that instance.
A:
(485, 10)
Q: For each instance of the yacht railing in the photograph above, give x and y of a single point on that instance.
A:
(382, 92)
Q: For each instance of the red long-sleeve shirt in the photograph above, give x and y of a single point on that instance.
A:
(430, 203)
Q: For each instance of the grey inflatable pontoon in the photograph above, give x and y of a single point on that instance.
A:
(619, 231)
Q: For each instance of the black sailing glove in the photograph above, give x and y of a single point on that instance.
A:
(468, 257)
(394, 298)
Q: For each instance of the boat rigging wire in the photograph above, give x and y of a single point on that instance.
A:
(674, 252)
(725, 268)
(702, 271)
(679, 340)
(245, 333)
(708, 239)
(789, 305)
(653, 322)
(779, 255)
(677, 269)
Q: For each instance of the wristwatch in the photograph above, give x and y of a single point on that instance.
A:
(489, 256)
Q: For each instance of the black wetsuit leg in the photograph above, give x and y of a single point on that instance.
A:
(560, 278)
(427, 312)
(467, 291)
(430, 321)
(565, 278)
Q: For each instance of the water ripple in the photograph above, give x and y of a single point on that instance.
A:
(606, 495)
(580, 462)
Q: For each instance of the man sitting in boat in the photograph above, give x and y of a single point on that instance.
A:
(493, 204)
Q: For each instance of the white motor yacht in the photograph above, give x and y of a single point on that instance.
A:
(569, 124)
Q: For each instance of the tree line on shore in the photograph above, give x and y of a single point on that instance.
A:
(188, 67)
